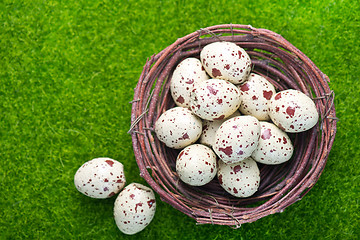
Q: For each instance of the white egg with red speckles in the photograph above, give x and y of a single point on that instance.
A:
(100, 178)
(196, 165)
(178, 127)
(226, 60)
(134, 208)
(275, 146)
(214, 99)
(210, 127)
(240, 179)
(237, 138)
(293, 111)
(255, 94)
(186, 74)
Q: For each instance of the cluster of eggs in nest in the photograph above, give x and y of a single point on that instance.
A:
(227, 119)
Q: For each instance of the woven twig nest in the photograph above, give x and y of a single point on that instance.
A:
(286, 67)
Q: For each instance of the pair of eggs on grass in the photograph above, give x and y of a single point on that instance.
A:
(135, 205)
(208, 111)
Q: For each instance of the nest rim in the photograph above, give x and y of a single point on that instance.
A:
(285, 67)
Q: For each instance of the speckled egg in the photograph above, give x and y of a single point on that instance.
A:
(214, 99)
(100, 178)
(210, 127)
(196, 165)
(237, 138)
(178, 127)
(274, 146)
(239, 179)
(226, 60)
(293, 111)
(255, 94)
(134, 208)
(186, 74)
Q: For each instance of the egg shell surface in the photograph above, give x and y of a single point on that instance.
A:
(226, 60)
(275, 146)
(100, 178)
(196, 165)
(214, 99)
(178, 127)
(186, 74)
(210, 127)
(239, 179)
(293, 111)
(237, 138)
(134, 208)
(255, 94)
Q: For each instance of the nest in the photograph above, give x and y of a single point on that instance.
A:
(286, 67)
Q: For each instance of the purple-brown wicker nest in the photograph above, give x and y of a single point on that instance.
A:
(286, 67)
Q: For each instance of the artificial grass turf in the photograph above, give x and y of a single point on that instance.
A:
(67, 72)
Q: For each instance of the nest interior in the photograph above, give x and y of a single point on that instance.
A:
(286, 67)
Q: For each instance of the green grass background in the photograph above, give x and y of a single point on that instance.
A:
(67, 73)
